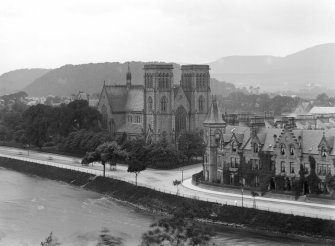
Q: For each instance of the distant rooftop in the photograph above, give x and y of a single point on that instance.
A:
(322, 110)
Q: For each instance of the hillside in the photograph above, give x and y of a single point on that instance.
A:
(312, 66)
(309, 72)
(16, 80)
(87, 77)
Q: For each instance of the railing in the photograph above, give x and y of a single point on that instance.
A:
(86, 169)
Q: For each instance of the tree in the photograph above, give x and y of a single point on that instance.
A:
(37, 120)
(106, 239)
(50, 241)
(330, 182)
(313, 179)
(322, 99)
(191, 145)
(136, 167)
(107, 152)
(177, 230)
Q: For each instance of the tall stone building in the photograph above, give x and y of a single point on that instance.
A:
(254, 155)
(158, 108)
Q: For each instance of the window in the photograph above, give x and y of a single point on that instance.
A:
(323, 169)
(323, 151)
(255, 148)
(219, 160)
(148, 80)
(234, 162)
(130, 118)
(282, 149)
(306, 168)
(282, 166)
(291, 149)
(291, 167)
(201, 103)
(233, 146)
(255, 164)
(198, 81)
(149, 104)
(163, 104)
(328, 169)
(104, 117)
(137, 119)
(163, 81)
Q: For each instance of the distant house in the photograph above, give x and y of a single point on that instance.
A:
(85, 96)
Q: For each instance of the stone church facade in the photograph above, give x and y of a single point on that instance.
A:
(158, 108)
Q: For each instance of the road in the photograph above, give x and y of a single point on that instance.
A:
(162, 180)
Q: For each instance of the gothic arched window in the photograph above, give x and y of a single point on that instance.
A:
(160, 80)
(149, 104)
(233, 146)
(166, 79)
(291, 149)
(201, 103)
(256, 148)
(163, 104)
(104, 117)
(282, 149)
(198, 81)
(323, 151)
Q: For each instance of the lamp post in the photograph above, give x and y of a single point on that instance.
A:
(242, 194)
(182, 175)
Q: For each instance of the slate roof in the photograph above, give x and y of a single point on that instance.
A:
(310, 138)
(130, 128)
(322, 110)
(269, 140)
(122, 99)
(242, 134)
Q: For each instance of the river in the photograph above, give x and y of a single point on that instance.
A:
(32, 207)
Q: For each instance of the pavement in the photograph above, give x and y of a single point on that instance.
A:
(162, 180)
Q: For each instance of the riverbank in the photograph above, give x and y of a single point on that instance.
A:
(151, 200)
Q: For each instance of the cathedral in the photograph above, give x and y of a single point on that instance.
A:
(157, 108)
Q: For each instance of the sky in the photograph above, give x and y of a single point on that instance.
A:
(50, 34)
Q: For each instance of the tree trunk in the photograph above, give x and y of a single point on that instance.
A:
(104, 164)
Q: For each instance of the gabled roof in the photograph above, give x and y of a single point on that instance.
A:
(269, 140)
(311, 139)
(130, 128)
(322, 110)
(240, 133)
(123, 99)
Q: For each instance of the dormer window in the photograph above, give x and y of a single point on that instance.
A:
(233, 146)
(323, 151)
(282, 149)
(291, 150)
(256, 148)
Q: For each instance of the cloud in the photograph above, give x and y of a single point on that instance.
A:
(41, 33)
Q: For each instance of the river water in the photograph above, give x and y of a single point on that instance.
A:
(32, 207)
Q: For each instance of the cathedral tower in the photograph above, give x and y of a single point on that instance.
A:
(158, 99)
(195, 81)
